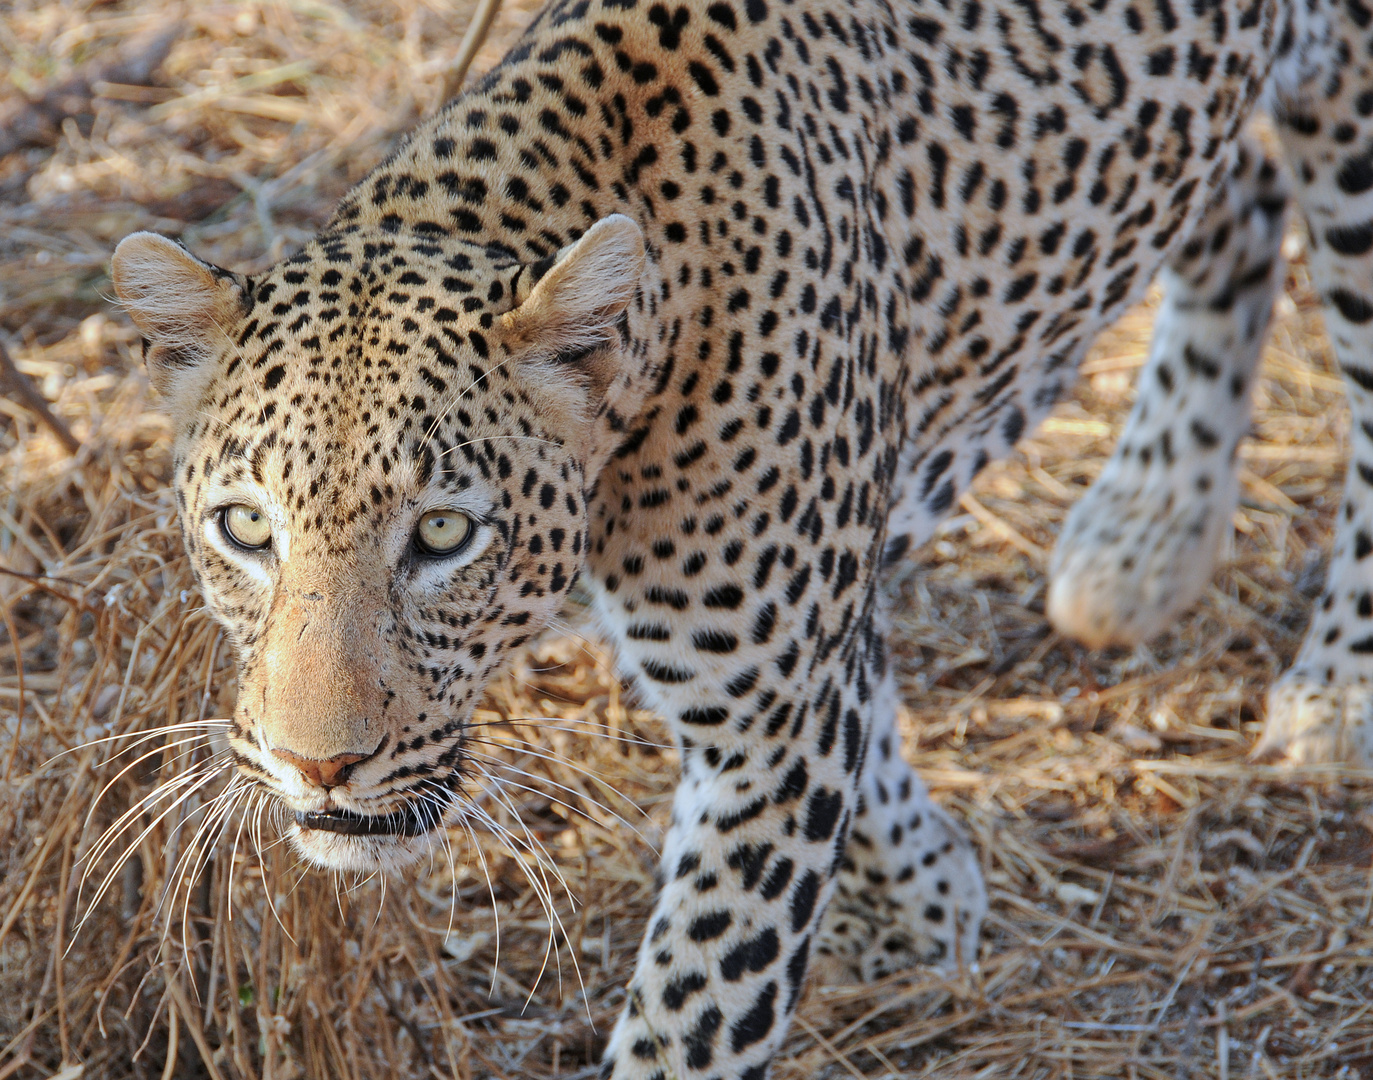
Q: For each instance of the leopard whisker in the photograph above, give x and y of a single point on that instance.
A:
(536, 875)
(194, 742)
(243, 434)
(142, 737)
(254, 793)
(557, 926)
(555, 759)
(107, 841)
(531, 843)
(491, 890)
(196, 782)
(242, 802)
(162, 790)
(559, 802)
(589, 646)
(493, 438)
(195, 776)
(196, 850)
(453, 880)
(461, 396)
(255, 829)
(264, 805)
(272, 807)
(516, 844)
(197, 855)
(335, 879)
(568, 725)
(546, 865)
(304, 870)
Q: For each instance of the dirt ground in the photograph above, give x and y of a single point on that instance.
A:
(1160, 907)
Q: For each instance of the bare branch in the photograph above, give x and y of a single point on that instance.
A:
(15, 385)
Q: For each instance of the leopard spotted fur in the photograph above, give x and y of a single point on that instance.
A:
(721, 303)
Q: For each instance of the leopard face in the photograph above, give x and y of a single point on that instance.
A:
(382, 458)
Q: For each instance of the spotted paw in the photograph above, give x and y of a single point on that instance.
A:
(1130, 560)
(1312, 720)
(1141, 546)
(918, 901)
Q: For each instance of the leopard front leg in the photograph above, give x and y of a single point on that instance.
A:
(911, 889)
(1142, 544)
(1322, 708)
(747, 870)
(772, 743)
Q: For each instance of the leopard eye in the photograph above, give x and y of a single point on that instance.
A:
(443, 532)
(246, 526)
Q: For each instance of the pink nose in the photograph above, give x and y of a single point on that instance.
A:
(326, 774)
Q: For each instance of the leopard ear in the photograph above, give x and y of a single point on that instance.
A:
(182, 306)
(570, 306)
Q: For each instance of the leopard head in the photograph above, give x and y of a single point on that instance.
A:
(383, 449)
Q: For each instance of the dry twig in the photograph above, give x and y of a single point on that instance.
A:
(14, 383)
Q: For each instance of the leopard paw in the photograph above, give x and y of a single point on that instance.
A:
(1131, 560)
(1316, 720)
(908, 896)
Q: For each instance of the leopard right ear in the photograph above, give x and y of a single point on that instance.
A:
(183, 306)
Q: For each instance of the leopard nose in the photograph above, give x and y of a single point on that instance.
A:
(330, 773)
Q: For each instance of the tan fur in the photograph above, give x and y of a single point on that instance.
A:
(575, 306)
(321, 679)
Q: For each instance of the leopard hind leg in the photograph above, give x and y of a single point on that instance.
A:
(1141, 546)
(1321, 710)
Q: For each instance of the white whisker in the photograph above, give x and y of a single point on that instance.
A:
(495, 762)
(197, 775)
(492, 438)
(544, 862)
(253, 792)
(466, 390)
(491, 890)
(557, 760)
(134, 764)
(142, 737)
(199, 782)
(592, 730)
(201, 846)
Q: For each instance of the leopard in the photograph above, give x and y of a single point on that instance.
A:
(716, 306)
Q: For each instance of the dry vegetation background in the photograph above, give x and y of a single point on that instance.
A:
(1160, 907)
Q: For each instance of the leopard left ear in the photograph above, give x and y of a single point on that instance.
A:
(570, 306)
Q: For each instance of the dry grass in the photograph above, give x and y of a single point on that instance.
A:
(1160, 908)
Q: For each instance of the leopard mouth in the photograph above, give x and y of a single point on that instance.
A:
(416, 819)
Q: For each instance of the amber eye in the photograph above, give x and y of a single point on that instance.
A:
(246, 526)
(442, 532)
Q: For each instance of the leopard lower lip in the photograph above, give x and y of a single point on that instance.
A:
(414, 820)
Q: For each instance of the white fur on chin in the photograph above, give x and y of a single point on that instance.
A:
(360, 854)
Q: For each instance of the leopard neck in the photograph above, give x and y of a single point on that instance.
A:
(571, 126)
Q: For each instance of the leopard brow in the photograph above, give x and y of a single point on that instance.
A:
(429, 435)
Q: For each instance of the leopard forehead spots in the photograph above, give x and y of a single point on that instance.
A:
(350, 368)
(721, 302)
